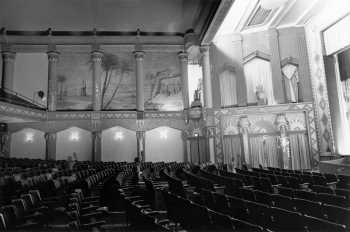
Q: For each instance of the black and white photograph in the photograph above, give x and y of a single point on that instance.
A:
(175, 115)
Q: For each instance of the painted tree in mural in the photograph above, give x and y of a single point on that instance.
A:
(115, 70)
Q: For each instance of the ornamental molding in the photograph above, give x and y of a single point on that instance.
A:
(22, 112)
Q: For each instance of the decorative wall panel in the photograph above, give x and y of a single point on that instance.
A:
(262, 121)
(163, 88)
(74, 81)
(118, 81)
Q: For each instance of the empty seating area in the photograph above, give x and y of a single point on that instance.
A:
(39, 195)
(276, 199)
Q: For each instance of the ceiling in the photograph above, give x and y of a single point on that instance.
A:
(290, 13)
(169, 17)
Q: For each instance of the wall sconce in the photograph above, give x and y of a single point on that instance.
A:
(29, 137)
(74, 136)
(163, 134)
(118, 136)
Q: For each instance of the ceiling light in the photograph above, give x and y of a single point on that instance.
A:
(74, 136)
(118, 135)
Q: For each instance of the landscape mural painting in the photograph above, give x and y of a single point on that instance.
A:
(163, 87)
(118, 81)
(74, 82)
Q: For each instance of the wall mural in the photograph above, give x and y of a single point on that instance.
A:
(118, 81)
(163, 89)
(74, 81)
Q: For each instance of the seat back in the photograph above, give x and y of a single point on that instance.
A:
(221, 203)
(283, 202)
(310, 208)
(337, 214)
(221, 222)
(317, 224)
(285, 220)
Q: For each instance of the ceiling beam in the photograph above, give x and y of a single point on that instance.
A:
(216, 22)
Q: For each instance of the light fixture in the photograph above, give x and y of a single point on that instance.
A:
(163, 134)
(74, 136)
(272, 4)
(196, 134)
(118, 136)
(29, 137)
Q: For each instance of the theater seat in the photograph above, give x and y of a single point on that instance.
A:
(314, 224)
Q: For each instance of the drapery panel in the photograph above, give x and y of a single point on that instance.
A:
(291, 79)
(299, 151)
(232, 151)
(258, 75)
(199, 150)
(228, 88)
(264, 151)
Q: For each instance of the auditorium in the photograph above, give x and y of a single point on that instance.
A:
(175, 115)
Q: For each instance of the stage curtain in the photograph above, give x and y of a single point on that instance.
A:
(258, 74)
(263, 151)
(202, 152)
(228, 88)
(232, 151)
(299, 151)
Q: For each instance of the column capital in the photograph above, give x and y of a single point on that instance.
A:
(96, 55)
(281, 122)
(243, 124)
(8, 55)
(204, 49)
(53, 56)
(139, 55)
(183, 56)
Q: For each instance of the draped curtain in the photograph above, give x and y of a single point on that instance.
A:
(258, 74)
(291, 79)
(228, 88)
(299, 151)
(232, 151)
(264, 151)
(198, 150)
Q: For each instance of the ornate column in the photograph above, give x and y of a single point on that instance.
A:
(210, 135)
(96, 58)
(243, 126)
(183, 58)
(96, 146)
(5, 140)
(208, 101)
(140, 105)
(282, 125)
(208, 97)
(186, 145)
(140, 138)
(276, 66)
(50, 139)
(8, 67)
(52, 80)
(140, 99)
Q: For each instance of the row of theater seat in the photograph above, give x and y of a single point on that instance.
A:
(140, 202)
(326, 211)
